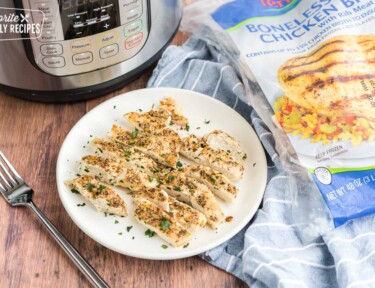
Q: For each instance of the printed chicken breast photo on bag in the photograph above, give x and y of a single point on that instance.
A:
(315, 63)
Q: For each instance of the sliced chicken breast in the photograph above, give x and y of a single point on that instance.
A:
(102, 197)
(215, 181)
(200, 152)
(151, 121)
(165, 226)
(163, 147)
(220, 140)
(157, 196)
(131, 157)
(171, 105)
(192, 192)
(188, 217)
(115, 173)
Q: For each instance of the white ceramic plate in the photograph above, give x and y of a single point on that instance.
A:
(111, 231)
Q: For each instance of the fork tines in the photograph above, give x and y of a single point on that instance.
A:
(9, 178)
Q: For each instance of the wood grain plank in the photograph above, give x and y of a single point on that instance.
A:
(31, 135)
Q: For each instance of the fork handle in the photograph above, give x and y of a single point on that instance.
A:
(73, 254)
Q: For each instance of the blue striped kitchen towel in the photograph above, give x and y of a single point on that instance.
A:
(268, 251)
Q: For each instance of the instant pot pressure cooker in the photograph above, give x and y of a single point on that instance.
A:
(86, 48)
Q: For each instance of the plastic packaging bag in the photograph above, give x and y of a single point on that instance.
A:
(309, 70)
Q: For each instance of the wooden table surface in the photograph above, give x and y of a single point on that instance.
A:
(31, 137)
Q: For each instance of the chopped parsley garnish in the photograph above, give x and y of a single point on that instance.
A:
(228, 151)
(79, 175)
(90, 186)
(140, 110)
(86, 170)
(179, 164)
(164, 223)
(164, 246)
(101, 187)
(186, 245)
(128, 153)
(177, 189)
(191, 185)
(244, 157)
(187, 127)
(207, 121)
(116, 222)
(198, 128)
(120, 233)
(129, 228)
(150, 178)
(149, 233)
(74, 191)
(254, 164)
(170, 179)
(212, 179)
(114, 107)
(81, 205)
(100, 149)
(134, 133)
(171, 123)
(133, 238)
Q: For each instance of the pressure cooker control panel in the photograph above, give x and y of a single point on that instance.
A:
(84, 35)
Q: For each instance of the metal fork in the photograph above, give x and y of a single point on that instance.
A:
(17, 193)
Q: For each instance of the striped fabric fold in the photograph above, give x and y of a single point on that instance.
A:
(268, 252)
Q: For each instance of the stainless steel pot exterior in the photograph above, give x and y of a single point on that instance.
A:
(16, 70)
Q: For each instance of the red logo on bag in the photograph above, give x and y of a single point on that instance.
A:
(275, 3)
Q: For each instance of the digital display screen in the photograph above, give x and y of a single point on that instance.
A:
(82, 18)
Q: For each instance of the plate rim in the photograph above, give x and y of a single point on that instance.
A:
(182, 253)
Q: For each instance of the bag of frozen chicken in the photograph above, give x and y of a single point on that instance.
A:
(314, 61)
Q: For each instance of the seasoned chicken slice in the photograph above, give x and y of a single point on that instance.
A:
(188, 217)
(220, 140)
(215, 181)
(131, 157)
(163, 146)
(151, 121)
(104, 198)
(192, 192)
(171, 105)
(167, 228)
(157, 196)
(115, 173)
(200, 152)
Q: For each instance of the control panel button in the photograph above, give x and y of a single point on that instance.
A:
(54, 62)
(48, 24)
(105, 39)
(109, 51)
(133, 28)
(133, 41)
(127, 5)
(51, 49)
(47, 7)
(48, 36)
(82, 45)
(132, 14)
(82, 58)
